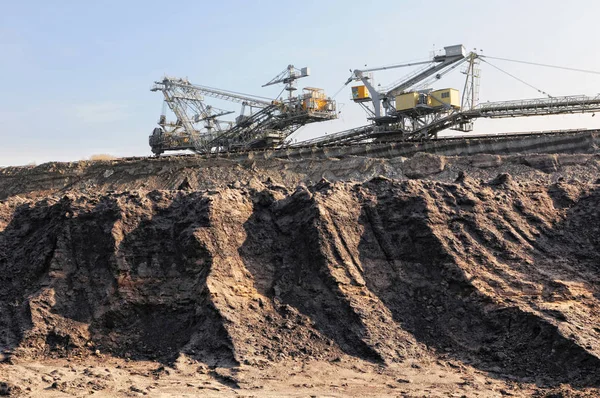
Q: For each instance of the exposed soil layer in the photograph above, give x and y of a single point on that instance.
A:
(497, 275)
(198, 173)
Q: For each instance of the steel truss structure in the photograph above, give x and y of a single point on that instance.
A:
(199, 129)
(492, 110)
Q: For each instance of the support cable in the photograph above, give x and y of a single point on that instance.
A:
(544, 65)
(278, 95)
(432, 79)
(516, 78)
(339, 91)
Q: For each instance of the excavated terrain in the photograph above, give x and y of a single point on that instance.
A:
(426, 276)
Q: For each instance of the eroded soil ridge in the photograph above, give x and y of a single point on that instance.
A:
(500, 274)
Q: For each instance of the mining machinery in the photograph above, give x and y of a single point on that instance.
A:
(261, 123)
(410, 110)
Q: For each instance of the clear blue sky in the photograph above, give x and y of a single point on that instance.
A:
(76, 74)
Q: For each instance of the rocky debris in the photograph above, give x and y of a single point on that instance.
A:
(500, 274)
(9, 390)
(484, 161)
(423, 164)
(547, 163)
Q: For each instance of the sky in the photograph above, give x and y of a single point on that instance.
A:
(77, 74)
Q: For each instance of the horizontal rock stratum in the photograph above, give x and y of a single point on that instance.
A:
(500, 273)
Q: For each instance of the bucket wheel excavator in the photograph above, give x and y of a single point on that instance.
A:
(261, 123)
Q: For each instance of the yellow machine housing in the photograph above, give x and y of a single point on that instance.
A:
(408, 101)
(360, 94)
(446, 96)
(314, 99)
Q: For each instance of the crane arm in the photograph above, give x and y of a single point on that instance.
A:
(357, 72)
(233, 97)
(411, 81)
(440, 63)
(290, 74)
(168, 83)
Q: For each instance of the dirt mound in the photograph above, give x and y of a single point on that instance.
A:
(501, 275)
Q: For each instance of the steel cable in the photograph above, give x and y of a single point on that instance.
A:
(516, 78)
(544, 65)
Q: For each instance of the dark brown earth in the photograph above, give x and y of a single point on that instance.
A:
(453, 278)
(198, 173)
